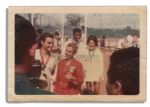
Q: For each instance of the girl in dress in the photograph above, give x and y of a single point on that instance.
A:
(93, 65)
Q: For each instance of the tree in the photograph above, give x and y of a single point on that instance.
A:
(74, 19)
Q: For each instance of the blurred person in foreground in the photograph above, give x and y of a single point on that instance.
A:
(123, 72)
(69, 75)
(25, 46)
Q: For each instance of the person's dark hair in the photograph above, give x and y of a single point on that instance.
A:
(39, 31)
(104, 37)
(94, 38)
(25, 37)
(43, 37)
(76, 30)
(124, 67)
(56, 33)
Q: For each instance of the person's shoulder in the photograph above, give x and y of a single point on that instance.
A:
(77, 62)
(98, 50)
(61, 61)
(85, 50)
(52, 61)
(83, 43)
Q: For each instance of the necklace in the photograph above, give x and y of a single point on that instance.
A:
(91, 53)
(42, 60)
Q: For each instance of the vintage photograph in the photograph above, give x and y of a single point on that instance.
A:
(77, 54)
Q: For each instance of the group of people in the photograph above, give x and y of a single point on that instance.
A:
(128, 41)
(74, 68)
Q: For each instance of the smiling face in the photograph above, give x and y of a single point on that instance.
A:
(91, 45)
(77, 36)
(47, 44)
(69, 52)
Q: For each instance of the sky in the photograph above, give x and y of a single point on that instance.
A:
(112, 20)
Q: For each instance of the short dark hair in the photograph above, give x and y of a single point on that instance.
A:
(25, 37)
(43, 37)
(76, 30)
(94, 38)
(56, 33)
(39, 31)
(124, 67)
(103, 37)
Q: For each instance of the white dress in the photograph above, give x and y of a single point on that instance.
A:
(47, 73)
(93, 65)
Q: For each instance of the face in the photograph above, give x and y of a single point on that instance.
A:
(48, 44)
(69, 52)
(135, 37)
(91, 45)
(77, 36)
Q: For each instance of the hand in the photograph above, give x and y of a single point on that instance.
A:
(42, 84)
(68, 76)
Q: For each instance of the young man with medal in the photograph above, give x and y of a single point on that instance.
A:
(47, 60)
(69, 75)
